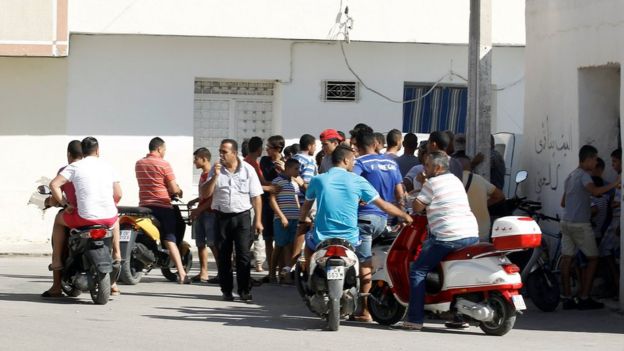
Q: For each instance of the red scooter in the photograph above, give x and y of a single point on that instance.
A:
(478, 283)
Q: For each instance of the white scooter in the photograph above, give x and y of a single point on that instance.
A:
(477, 283)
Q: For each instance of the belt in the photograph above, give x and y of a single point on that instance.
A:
(230, 214)
(364, 221)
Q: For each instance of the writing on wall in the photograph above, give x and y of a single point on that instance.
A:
(552, 146)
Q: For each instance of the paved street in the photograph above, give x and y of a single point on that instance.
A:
(158, 315)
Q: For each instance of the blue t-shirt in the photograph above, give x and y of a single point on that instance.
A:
(384, 175)
(307, 170)
(338, 193)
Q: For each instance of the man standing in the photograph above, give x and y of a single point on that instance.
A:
(203, 219)
(307, 170)
(157, 185)
(330, 139)
(576, 230)
(394, 138)
(97, 191)
(383, 174)
(235, 189)
(408, 159)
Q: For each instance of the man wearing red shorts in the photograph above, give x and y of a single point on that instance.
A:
(97, 192)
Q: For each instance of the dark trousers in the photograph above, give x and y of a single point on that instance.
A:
(234, 232)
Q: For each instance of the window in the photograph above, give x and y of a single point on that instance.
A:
(444, 108)
(340, 91)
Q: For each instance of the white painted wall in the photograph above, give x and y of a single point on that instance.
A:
(426, 21)
(563, 37)
(126, 89)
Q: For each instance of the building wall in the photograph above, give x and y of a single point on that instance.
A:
(564, 40)
(425, 21)
(126, 89)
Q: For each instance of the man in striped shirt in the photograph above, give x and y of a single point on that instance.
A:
(452, 226)
(157, 185)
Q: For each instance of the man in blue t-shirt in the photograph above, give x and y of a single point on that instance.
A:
(338, 194)
(384, 175)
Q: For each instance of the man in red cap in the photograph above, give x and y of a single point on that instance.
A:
(330, 139)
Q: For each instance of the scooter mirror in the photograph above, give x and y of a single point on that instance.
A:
(521, 176)
(43, 190)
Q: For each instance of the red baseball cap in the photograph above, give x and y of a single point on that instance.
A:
(331, 134)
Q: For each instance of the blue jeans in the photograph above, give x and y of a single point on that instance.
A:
(433, 251)
(371, 226)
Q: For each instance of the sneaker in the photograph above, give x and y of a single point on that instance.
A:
(409, 326)
(227, 297)
(245, 296)
(569, 303)
(589, 304)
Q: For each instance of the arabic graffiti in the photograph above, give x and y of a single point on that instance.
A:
(550, 142)
(552, 149)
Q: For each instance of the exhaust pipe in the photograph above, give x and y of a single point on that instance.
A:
(475, 310)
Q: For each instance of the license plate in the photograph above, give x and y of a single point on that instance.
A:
(334, 273)
(518, 302)
(125, 235)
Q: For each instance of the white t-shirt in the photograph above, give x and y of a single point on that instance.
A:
(93, 180)
(448, 211)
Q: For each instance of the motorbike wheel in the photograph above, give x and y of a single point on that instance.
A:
(129, 273)
(101, 288)
(70, 290)
(504, 316)
(543, 289)
(383, 306)
(333, 315)
(172, 274)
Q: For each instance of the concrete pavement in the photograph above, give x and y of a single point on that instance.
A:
(159, 315)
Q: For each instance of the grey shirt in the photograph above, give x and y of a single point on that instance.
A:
(233, 191)
(406, 162)
(326, 164)
(577, 197)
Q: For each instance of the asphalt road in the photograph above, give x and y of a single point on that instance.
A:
(159, 315)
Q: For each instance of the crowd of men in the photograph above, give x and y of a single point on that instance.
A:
(249, 203)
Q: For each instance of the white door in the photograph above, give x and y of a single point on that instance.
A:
(229, 109)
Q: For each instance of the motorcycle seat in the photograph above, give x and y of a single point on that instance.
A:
(335, 241)
(134, 211)
(468, 253)
(89, 227)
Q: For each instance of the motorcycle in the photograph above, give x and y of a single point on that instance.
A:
(89, 264)
(331, 288)
(141, 248)
(478, 283)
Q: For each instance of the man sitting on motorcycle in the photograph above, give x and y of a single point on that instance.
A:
(338, 193)
(452, 226)
(97, 191)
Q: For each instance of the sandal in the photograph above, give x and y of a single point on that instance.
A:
(115, 290)
(186, 280)
(48, 294)
(198, 279)
(411, 326)
(363, 319)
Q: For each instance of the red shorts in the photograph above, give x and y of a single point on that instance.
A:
(73, 220)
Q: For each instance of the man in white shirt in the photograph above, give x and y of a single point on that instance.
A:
(97, 192)
(235, 188)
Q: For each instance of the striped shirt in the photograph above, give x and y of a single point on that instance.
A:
(286, 198)
(307, 170)
(153, 173)
(448, 210)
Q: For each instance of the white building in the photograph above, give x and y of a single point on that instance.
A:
(195, 72)
(574, 90)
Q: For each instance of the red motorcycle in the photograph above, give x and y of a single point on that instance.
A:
(477, 283)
